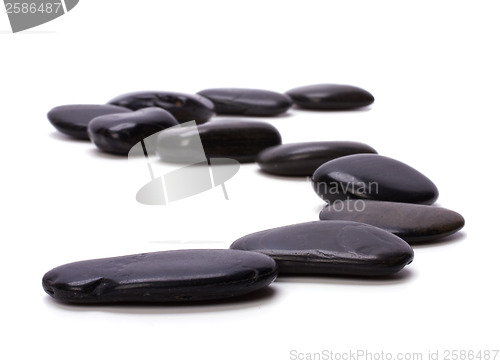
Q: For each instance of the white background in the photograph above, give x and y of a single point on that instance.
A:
(433, 67)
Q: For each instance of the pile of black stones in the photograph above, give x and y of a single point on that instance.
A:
(376, 206)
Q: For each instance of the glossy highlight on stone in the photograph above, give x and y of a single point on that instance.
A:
(117, 133)
(252, 102)
(330, 97)
(372, 177)
(235, 139)
(161, 277)
(331, 247)
(73, 120)
(302, 159)
(184, 107)
(411, 222)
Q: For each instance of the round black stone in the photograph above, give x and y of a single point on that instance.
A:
(169, 276)
(302, 159)
(411, 222)
(184, 107)
(331, 247)
(73, 120)
(373, 177)
(330, 97)
(118, 133)
(236, 139)
(242, 101)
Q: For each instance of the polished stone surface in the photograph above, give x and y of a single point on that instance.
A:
(242, 101)
(330, 97)
(73, 120)
(302, 159)
(411, 222)
(237, 139)
(169, 276)
(117, 133)
(331, 247)
(373, 177)
(184, 107)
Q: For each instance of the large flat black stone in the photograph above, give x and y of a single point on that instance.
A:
(372, 177)
(169, 276)
(184, 107)
(331, 247)
(411, 222)
(243, 101)
(302, 159)
(73, 120)
(236, 139)
(330, 96)
(118, 133)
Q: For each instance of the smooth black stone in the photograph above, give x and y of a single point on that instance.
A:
(302, 159)
(411, 222)
(73, 120)
(169, 276)
(242, 101)
(372, 177)
(236, 139)
(330, 97)
(331, 247)
(118, 133)
(184, 107)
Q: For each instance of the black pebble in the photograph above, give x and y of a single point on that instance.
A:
(373, 177)
(184, 107)
(302, 159)
(330, 97)
(118, 133)
(411, 222)
(73, 120)
(169, 276)
(242, 101)
(331, 247)
(241, 140)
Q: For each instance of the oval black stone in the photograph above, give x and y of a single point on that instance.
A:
(184, 107)
(330, 97)
(302, 159)
(242, 101)
(236, 139)
(117, 133)
(330, 247)
(411, 222)
(373, 177)
(73, 120)
(169, 276)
